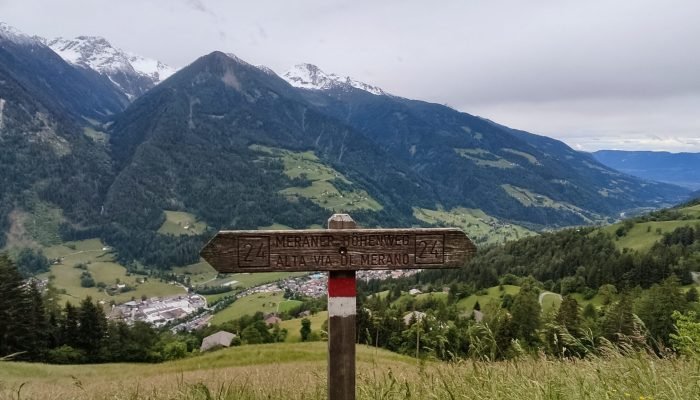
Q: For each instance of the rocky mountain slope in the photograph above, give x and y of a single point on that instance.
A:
(52, 154)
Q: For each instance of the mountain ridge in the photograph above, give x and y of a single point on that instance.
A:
(219, 139)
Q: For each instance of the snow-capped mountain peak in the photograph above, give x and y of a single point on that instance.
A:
(132, 73)
(13, 34)
(92, 52)
(309, 76)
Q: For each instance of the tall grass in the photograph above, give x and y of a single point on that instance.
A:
(380, 375)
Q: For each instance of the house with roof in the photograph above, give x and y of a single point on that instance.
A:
(218, 339)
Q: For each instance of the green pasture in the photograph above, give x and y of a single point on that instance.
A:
(249, 305)
(178, 223)
(550, 302)
(480, 227)
(529, 157)
(643, 235)
(493, 294)
(199, 273)
(294, 325)
(485, 158)
(306, 165)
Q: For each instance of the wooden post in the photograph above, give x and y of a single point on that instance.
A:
(342, 249)
(342, 304)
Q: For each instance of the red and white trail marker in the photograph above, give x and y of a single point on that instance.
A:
(341, 250)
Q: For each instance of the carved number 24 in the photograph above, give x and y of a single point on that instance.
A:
(259, 254)
(423, 244)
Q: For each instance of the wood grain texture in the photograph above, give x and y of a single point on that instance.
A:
(341, 328)
(338, 249)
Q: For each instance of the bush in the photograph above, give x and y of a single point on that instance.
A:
(66, 355)
(174, 350)
(686, 340)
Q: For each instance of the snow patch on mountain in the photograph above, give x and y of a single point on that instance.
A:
(2, 110)
(309, 76)
(150, 67)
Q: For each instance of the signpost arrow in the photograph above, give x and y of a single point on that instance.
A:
(341, 249)
(337, 250)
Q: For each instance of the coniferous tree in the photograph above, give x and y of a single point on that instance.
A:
(69, 326)
(41, 331)
(656, 306)
(15, 328)
(305, 330)
(568, 315)
(526, 313)
(92, 329)
(618, 319)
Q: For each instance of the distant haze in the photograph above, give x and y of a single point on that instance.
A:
(595, 74)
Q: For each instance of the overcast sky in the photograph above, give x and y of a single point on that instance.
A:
(597, 74)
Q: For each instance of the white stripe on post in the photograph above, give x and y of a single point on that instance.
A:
(342, 306)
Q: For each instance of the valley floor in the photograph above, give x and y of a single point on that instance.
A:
(298, 371)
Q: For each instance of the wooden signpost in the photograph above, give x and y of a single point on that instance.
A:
(341, 250)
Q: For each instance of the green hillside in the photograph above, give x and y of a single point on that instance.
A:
(298, 371)
(480, 227)
(642, 232)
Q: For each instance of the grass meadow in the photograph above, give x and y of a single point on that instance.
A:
(179, 223)
(298, 371)
(492, 294)
(248, 305)
(293, 326)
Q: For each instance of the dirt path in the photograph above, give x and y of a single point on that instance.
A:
(547, 293)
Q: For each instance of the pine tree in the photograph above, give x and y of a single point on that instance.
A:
(618, 319)
(69, 326)
(305, 330)
(92, 329)
(656, 306)
(16, 334)
(526, 312)
(39, 325)
(568, 315)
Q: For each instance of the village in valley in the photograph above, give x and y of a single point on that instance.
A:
(189, 312)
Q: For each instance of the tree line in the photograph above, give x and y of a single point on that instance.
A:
(513, 325)
(36, 328)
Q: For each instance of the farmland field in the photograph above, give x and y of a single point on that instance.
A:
(99, 261)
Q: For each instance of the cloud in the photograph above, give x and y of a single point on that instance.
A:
(197, 5)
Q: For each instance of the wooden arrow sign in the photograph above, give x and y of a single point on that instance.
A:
(337, 249)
